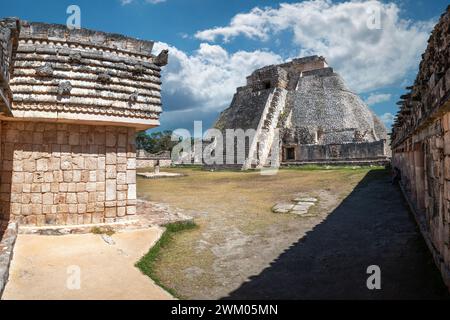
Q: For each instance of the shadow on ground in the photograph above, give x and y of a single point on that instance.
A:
(372, 226)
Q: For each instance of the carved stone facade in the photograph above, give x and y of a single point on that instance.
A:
(9, 30)
(319, 119)
(421, 145)
(73, 101)
(146, 159)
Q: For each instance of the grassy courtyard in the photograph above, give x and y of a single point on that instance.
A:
(237, 234)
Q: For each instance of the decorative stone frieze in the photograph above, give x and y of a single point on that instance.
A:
(64, 88)
(421, 145)
(9, 34)
(103, 69)
(45, 71)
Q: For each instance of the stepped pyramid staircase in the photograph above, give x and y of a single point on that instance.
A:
(261, 145)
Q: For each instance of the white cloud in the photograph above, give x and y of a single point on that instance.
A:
(207, 79)
(388, 119)
(367, 58)
(375, 98)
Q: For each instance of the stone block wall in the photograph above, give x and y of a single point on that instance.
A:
(151, 163)
(64, 174)
(70, 104)
(9, 34)
(342, 152)
(421, 145)
(424, 163)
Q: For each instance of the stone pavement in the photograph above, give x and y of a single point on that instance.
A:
(44, 266)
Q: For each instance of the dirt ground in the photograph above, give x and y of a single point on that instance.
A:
(243, 250)
(48, 267)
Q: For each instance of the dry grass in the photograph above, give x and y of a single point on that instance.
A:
(237, 231)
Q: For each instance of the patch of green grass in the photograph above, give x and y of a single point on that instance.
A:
(103, 230)
(147, 264)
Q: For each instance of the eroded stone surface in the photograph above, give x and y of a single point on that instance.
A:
(319, 119)
(305, 199)
(298, 206)
(8, 235)
(283, 207)
(421, 145)
(159, 175)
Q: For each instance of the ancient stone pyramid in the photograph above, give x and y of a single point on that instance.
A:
(319, 119)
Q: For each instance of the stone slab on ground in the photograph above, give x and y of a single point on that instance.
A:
(158, 175)
(283, 207)
(148, 213)
(39, 269)
(298, 206)
(305, 199)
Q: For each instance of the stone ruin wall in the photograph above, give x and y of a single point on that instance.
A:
(84, 75)
(68, 146)
(421, 145)
(146, 159)
(368, 152)
(67, 173)
(9, 29)
(285, 75)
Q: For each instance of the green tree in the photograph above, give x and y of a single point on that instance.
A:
(156, 141)
(143, 141)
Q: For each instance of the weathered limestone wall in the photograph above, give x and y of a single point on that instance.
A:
(85, 75)
(324, 106)
(150, 163)
(71, 102)
(67, 173)
(421, 145)
(146, 159)
(9, 30)
(342, 152)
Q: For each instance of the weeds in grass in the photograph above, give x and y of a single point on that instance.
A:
(103, 230)
(147, 264)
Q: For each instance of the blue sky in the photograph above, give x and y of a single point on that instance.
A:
(215, 44)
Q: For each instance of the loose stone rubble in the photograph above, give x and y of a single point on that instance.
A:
(298, 206)
(145, 159)
(8, 239)
(421, 145)
(71, 102)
